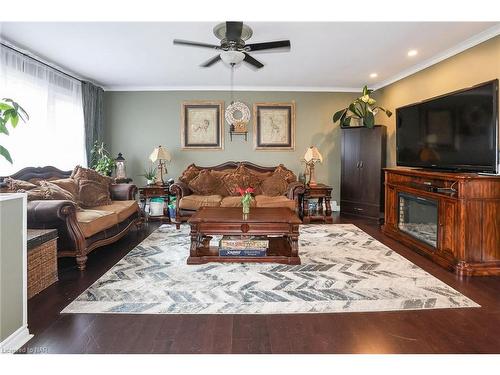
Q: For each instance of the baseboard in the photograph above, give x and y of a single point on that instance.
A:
(15, 340)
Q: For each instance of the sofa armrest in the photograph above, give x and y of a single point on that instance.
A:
(122, 192)
(49, 212)
(180, 189)
(294, 190)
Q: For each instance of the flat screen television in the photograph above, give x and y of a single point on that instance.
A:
(457, 131)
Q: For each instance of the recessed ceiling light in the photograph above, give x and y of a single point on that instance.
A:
(373, 75)
(412, 52)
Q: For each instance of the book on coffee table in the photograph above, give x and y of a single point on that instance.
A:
(242, 253)
(238, 243)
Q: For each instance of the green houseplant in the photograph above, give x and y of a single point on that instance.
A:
(362, 109)
(101, 161)
(150, 175)
(10, 112)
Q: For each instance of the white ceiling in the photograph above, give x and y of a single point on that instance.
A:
(331, 56)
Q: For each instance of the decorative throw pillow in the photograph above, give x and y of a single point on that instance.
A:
(56, 192)
(205, 183)
(255, 181)
(81, 173)
(93, 186)
(221, 188)
(240, 178)
(286, 174)
(190, 173)
(274, 185)
(15, 185)
(92, 193)
(68, 184)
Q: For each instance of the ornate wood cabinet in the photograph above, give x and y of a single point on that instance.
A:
(363, 157)
(453, 218)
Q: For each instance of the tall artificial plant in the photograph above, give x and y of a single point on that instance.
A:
(362, 109)
(101, 161)
(10, 112)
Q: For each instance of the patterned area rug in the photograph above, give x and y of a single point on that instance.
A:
(343, 270)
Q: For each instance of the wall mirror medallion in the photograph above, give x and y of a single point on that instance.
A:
(274, 126)
(238, 115)
(202, 125)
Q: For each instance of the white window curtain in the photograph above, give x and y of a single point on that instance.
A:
(54, 134)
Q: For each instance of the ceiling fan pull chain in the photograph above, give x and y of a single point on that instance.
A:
(232, 83)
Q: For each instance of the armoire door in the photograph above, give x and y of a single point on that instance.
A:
(370, 174)
(349, 189)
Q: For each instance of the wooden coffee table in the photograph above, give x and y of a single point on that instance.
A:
(281, 225)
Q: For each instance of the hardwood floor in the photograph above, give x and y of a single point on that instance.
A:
(474, 330)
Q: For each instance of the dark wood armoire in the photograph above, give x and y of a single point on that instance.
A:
(363, 157)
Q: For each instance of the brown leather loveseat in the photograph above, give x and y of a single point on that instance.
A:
(80, 229)
(217, 186)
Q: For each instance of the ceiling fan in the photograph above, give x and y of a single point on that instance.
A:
(233, 49)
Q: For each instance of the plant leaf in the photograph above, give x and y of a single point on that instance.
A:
(3, 129)
(357, 111)
(387, 112)
(14, 120)
(5, 153)
(23, 114)
(365, 90)
(5, 106)
(337, 116)
(369, 120)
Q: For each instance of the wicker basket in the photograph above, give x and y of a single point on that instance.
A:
(42, 267)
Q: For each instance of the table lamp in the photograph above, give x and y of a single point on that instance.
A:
(311, 157)
(160, 155)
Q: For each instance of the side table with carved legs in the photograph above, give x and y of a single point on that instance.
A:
(323, 194)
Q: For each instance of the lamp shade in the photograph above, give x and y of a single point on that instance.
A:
(313, 155)
(160, 153)
(232, 57)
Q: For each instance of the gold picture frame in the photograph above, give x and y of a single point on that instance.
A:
(274, 126)
(202, 125)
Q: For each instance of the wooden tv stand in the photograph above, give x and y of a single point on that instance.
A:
(468, 217)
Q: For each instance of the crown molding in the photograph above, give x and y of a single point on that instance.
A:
(466, 44)
(236, 88)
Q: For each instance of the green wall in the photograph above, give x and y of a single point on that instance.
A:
(11, 265)
(137, 121)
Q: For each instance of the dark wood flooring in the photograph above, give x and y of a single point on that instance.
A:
(474, 330)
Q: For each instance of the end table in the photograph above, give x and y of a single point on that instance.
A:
(154, 191)
(323, 194)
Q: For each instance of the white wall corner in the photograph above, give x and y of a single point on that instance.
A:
(15, 341)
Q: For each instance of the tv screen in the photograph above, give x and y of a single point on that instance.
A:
(457, 131)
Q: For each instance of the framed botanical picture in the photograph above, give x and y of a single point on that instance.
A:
(202, 125)
(274, 126)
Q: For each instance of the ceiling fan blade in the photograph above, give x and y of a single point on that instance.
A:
(249, 59)
(233, 30)
(268, 45)
(195, 44)
(211, 62)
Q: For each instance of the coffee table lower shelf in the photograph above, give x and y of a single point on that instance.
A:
(279, 252)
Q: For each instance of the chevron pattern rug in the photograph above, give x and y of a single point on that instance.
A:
(343, 270)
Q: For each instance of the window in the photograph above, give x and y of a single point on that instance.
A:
(54, 134)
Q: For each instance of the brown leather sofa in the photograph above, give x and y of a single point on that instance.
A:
(217, 187)
(81, 230)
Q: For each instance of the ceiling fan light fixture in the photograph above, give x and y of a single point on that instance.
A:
(232, 57)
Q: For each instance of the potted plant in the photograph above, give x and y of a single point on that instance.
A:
(150, 175)
(10, 112)
(362, 109)
(101, 161)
